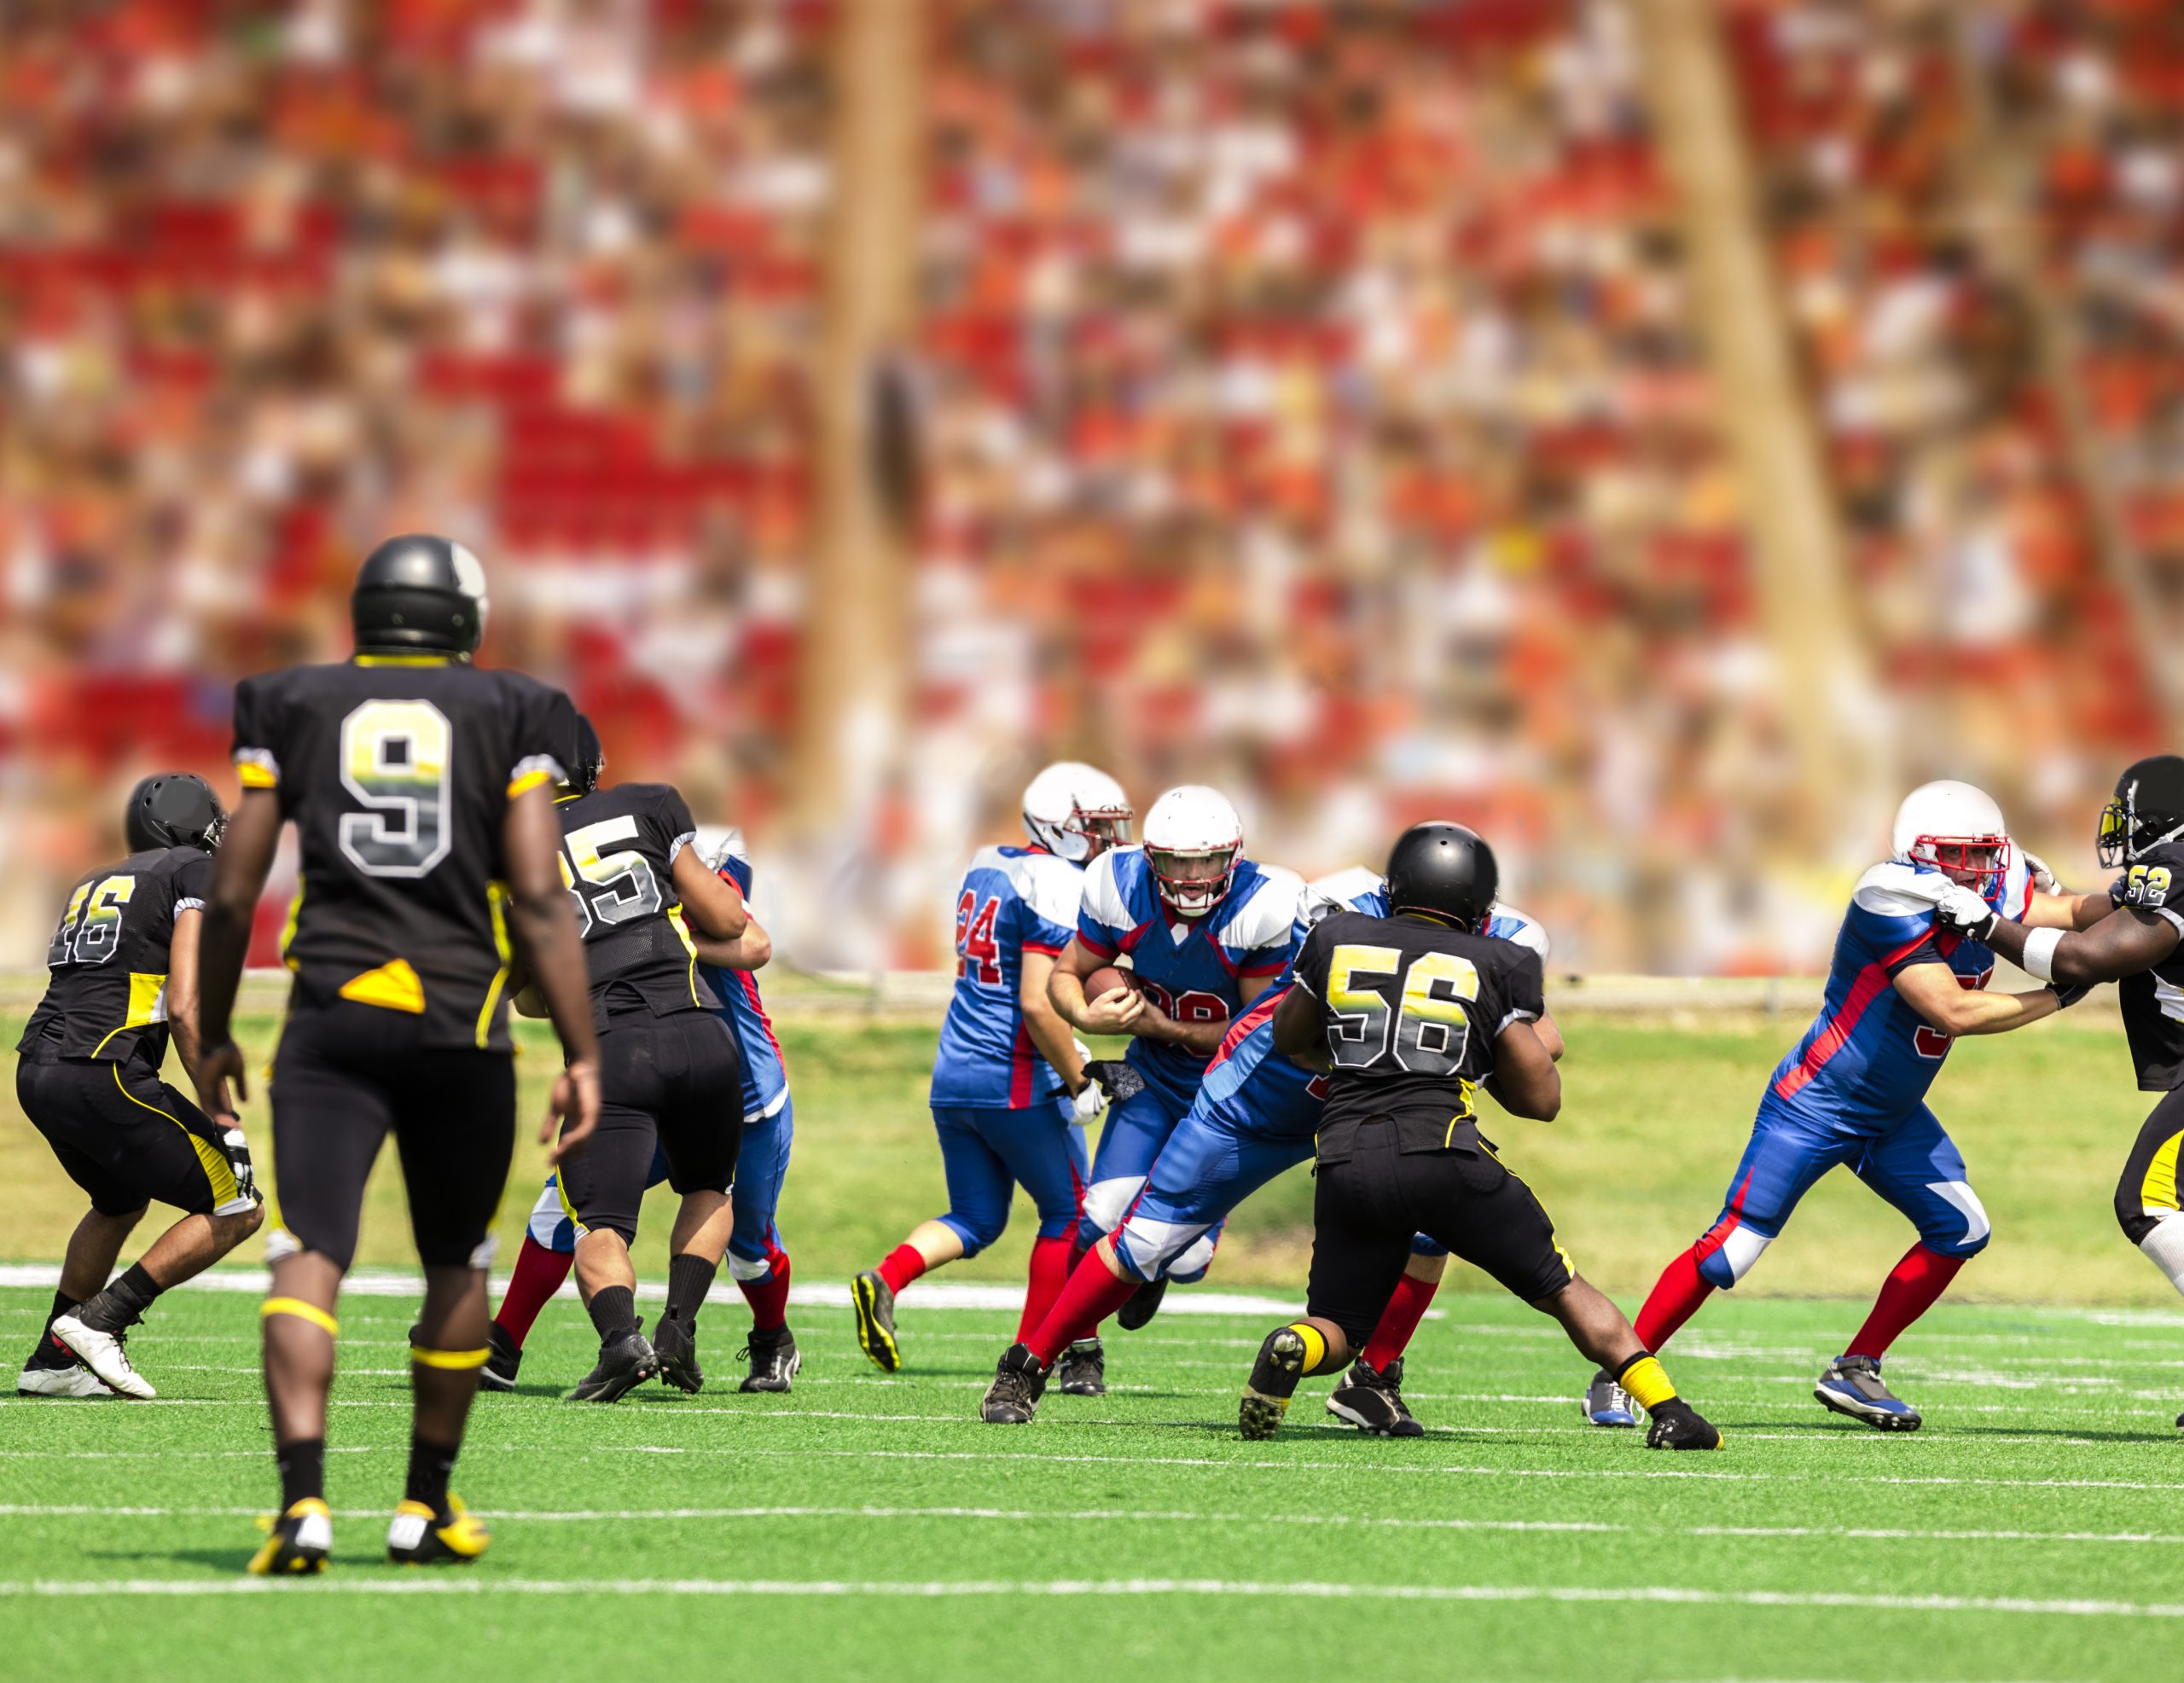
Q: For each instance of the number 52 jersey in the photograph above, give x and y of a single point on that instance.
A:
(399, 772)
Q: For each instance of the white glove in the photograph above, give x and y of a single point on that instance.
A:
(1965, 911)
(1091, 1097)
(238, 1153)
(2043, 875)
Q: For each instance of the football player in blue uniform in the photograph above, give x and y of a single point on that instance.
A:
(757, 1260)
(2127, 934)
(1012, 1089)
(1254, 1117)
(1903, 986)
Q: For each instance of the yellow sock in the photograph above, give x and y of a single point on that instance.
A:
(1647, 1382)
(1315, 1345)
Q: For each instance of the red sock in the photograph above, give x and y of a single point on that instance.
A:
(1399, 1321)
(1675, 1297)
(1049, 1273)
(903, 1265)
(538, 1276)
(1908, 1293)
(1088, 1298)
(769, 1297)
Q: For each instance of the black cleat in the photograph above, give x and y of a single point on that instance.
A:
(504, 1355)
(1082, 1370)
(1144, 1303)
(675, 1344)
(773, 1360)
(1607, 1404)
(624, 1362)
(1371, 1399)
(1678, 1425)
(1018, 1382)
(422, 1537)
(298, 1542)
(1274, 1379)
(874, 1299)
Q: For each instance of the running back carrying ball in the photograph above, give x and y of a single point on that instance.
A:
(1412, 1013)
(1105, 980)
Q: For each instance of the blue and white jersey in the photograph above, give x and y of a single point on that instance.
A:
(1869, 1057)
(1261, 1093)
(765, 1076)
(1013, 901)
(1190, 967)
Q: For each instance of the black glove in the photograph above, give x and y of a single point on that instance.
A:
(2068, 995)
(1117, 1079)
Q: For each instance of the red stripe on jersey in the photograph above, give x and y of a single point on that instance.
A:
(1019, 1070)
(1872, 981)
(1040, 947)
(751, 992)
(1097, 947)
(1262, 1008)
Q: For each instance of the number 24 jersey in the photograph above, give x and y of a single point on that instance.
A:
(399, 772)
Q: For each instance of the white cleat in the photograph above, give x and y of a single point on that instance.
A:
(104, 1354)
(60, 1382)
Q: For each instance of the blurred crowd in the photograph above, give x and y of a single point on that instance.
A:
(1305, 399)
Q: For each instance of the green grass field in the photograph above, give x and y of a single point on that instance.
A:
(867, 1526)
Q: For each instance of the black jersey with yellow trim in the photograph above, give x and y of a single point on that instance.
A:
(107, 996)
(2153, 999)
(398, 771)
(618, 856)
(1411, 1011)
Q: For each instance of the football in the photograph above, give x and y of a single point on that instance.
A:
(1105, 980)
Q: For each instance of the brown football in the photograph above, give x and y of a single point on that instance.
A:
(1105, 980)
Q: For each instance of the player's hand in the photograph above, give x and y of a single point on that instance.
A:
(238, 1150)
(216, 1066)
(2043, 874)
(1114, 1012)
(1114, 1079)
(1089, 1100)
(1965, 913)
(573, 1107)
(2069, 994)
(1154, 1023)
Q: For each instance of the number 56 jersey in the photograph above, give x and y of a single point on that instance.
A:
(397, 772)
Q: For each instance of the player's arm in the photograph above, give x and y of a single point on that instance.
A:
(1045, 1024)
(1114, 1012)
(183, 994)
(1932, 991)
(1297, 1034)
(753, 950)
(1202, 1038)
(545, 931)
(1526, 1082)
(238, 873)
(1550, 1037)
(711, 904)
(2132, 940)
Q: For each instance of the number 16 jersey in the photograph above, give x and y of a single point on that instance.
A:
(399, 771)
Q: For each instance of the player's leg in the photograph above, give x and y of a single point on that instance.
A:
(1043, 1151)
(1131, 1139)
(603, 1188)
(165, 1148)
(2146, 1194)
(701, 1131)
(330, 1116)
(1491, 1219)
(455, 1133)
(1917, 1168)
(757, 1261)
(52, 1369)
(979, 1187)
(1370, 1397)
(542, 1263)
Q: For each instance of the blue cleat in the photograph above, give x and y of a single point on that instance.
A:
(1851, 1384)
(1607, 1404)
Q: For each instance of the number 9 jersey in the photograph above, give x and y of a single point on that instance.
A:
(397, 772)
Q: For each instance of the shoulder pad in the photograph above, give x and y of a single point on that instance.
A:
(1342, 887)
(1893, 890)
(1105, 898)
(1506, 923)
(1268, 917)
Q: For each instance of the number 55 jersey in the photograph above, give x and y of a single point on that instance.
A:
(397, 772)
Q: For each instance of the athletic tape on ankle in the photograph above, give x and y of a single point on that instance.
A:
(302, 1311)
(1647, 1382)
(457, 1360)
(1315, 1345)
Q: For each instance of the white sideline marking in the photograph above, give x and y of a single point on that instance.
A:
(1663, 1594)
(1133, 1516)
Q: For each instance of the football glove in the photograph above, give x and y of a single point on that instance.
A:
(2069, 994)
(1090, 1099)
(1118, 1079)
(2043, 874)
(1965, 912)
(238, 1150)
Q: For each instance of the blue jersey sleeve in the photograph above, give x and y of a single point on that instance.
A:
(1103, 919)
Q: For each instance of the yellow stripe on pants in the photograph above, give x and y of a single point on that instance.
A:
(219, 1173)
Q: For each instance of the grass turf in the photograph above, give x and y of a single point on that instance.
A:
(866, 1526)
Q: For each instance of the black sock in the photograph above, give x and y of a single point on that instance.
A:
(302, 1470)
(689, 1279)
(430, 1465)
(613, 1311)
(121, 1302)
(50, 1351)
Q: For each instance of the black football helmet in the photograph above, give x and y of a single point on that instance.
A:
(173, 808)
(2146, 810)
(419, 594)
(590, 763)
(1445, 871)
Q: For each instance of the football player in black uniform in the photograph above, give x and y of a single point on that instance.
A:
(1411, 1014)
(124, 971)
(421, 790)
(670, 1079)
(2129, 935)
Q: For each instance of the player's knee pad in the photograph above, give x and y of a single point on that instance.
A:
(550, 1225)
(1950, 1236)
(1728, 1252)
(1420, 1245)
(748, 1267)
(1195, 1258)
(1151, 1250)
(977, 1231)
(1106, 1202)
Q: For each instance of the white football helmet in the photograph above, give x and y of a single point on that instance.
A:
(1955, 828)
(1077, 811)
(1192, 839)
